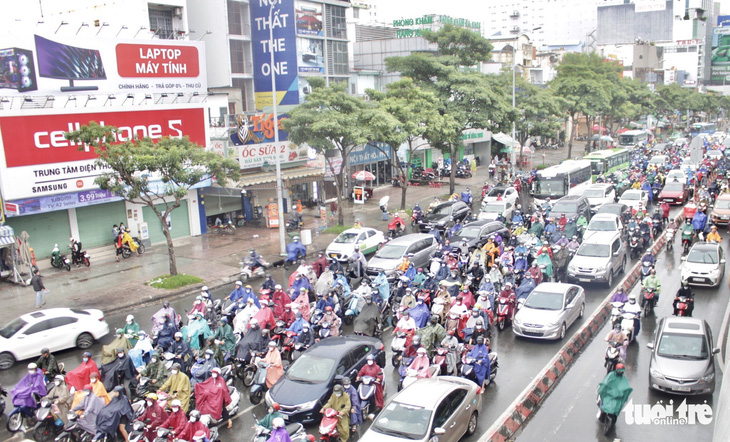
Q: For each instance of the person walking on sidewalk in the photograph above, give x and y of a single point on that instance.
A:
(37, 282)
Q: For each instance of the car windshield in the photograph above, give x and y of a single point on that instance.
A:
(496, 192)
(699, 256)
(722, 204)
(493, 208)
(565, 207)
(594, 193)
(594, 250)
(552, 187)
(631, 196)
(545, 301)
(9, 330)
(602, 225)
(469, 232)
(311, 369)
(673, 187)
(390, 251)
(682, 346)
(346, 237)
(403, 421)
(443, 210)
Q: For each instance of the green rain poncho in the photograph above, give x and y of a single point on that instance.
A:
(614, 391)
(224, 333)
(109, 351)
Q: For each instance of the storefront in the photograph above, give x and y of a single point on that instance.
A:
(477, 144)
(374, 158)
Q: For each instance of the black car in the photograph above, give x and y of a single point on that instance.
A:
(477, 232)
(620, 209)
(572, 206)
(441, 215)
(307, 383)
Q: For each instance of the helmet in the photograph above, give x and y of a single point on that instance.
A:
(275, 406)
(338, 388)
(151, 396)
(632, 297)
(417, 340)
(45, 350)
(277, 287)
(239, 283)
(204, 288)
(328, 308)
(178, 334)
(32, 366)
(209, 352)
(277, 422)
(421, 351)
(87, 354)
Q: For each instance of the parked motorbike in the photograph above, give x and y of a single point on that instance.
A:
(61, 263)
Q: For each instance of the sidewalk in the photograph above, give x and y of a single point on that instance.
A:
(113, 286)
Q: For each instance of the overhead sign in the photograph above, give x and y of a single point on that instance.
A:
(274, 18)
(369, 153)
(55, 65)
(649, 5)
(723, 21)
(38, 161)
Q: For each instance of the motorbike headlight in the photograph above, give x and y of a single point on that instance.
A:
(138, 426)
(655, 374)
(708, 377)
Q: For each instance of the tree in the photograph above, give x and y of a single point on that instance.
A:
(631, 99)
(470, 98)
(151, 172)
(331, 119)
(416, 113)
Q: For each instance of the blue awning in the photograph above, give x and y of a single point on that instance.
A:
(7, 236)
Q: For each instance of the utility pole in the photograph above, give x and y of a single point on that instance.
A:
(275, 110)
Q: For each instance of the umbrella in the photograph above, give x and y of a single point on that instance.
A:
(622, 130)
(363, 175)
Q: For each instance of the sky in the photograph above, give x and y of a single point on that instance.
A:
(394, 9)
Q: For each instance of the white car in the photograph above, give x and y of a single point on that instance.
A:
(603, 222)
(600, 194)
(704, 265)
(344, 245)
(55, 329)
(713, 154)
(678, 174)
(549, 311)
(508, 193)
(634, 197)
(492, 209)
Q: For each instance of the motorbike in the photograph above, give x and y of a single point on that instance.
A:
(262, 434)
(137, 433)
(627, 325)
(440, 360)
(608, 421)
(258, 386)
(73, 432)
(635, 244)
(686, 242)
(21, 419)
(246, 372)
(670, 238)
(127, 252)
(45, 428)
(683, 306)
(293, 225)
(616, 312)
(505, 312)
(398, 346)
(328, 425)
(396, 229)
(61, 263)
(612, 356)
(84, 258)
(649, 299)
(366, 394)
(250, 269)
(467, 368)
(3, 395)
(646, 267)
(416, 219)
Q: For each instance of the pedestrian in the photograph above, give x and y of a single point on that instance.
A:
(37, 282)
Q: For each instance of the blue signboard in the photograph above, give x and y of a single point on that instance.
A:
(276, 15)
(370, 153)
(723, 21)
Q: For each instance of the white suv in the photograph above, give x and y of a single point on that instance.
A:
(600, 194)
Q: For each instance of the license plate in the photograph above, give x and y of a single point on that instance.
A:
(332, 255)
(584, 280)
(684, 389)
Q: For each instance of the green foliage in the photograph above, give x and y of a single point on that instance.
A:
(168, 282)
(336, 229)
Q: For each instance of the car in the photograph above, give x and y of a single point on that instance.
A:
(307, 383)
(659, 161)
(599, 258)
(420, 245)
(443, 408)
(442, 215)
(704, 265)
(477, 232)
(604, 222)
(687, 163)
(682, 357)
(719, 135)
(572, 206)
(53, 328)
(721, 210)
(344, 245)
(679, 142)
(714, 154)
(619, 209)
(674, 192)
(550, 310)
(508, 193)
(600, 194)
(635, 197)
(659, 147)
(491, 210)
(676, 173)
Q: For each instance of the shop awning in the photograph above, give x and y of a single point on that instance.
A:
(267, 180)
(506, 140)
(7, 236)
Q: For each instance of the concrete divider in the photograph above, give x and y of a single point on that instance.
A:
(530, 399)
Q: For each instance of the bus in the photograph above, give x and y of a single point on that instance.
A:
(571, 177)
(608, 161)
(632, 138)
(702, 128)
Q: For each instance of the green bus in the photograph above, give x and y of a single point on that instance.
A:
(608, 161)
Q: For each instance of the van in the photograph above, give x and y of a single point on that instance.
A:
(419, 245)
(600, 194)
(599, 259)
(572, 206)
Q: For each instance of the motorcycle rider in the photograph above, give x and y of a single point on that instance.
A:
(617, 335)
(698, 222)
(359, 261)
(396, 225)
(180, 349)
(431, 334)
(369, 317)
(482, 368)
(560, 260)
(153, 416)
(620, 296)
(333, 320)
(320, 264)
(684, 291)
(356, 417)
(76, 256)
(646, 232)
(573, 245)
(652, 282)
(421, 364)
(281, 300)
(614, 391)
(713, 236)
(61, 398)
(90, 406)
(305, 337)
(340, 402)
(295, 250)
(47, 363)
(648, 257)
(176, 420)
(417, 212)
(269, 283)
(633, 308)
(372, 369)
(525, 288)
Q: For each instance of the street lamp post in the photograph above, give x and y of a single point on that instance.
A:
(275, 110)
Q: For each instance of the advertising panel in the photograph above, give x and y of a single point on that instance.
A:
(649, 5)
(53, 64)
(38, 161)
(720, 61)
(255, 141)
(275, 17)
(310, 55)
(309, 18)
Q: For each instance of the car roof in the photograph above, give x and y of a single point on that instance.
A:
(724, 196)
(408, 239)
(339, 345)
(604, 216)
(554, 287)
(358, 229)
(427, 392)
(447, 203)
(52, 313)
(569, 198)
(632, 191)
(686, 325)
(480, 223)
(612, 205)
(602, 238)
(706, 246)
(600, 185)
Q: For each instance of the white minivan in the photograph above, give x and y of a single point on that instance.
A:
(600, 194)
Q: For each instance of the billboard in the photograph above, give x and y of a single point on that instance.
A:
(274, 18)
(720, 61)
(255, 138)
(52, 65)
(38, 161)
(309, 18)
(310, 55)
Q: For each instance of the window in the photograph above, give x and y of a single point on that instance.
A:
(40, 327)
(448, 406)
(358, 354)
(337, 58)
(237, 58)
(336, 22)
(60, 322)
(345, 363)
(616, 245)
(238, 21)
(161, 23)
(371, 233)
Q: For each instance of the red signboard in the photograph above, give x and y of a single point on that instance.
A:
(38, 139)
(163, 61)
